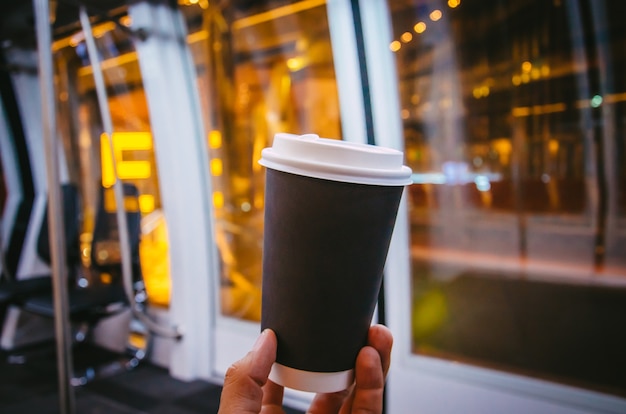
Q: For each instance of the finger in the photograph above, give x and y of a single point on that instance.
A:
(242, 392)
(272, 398)
(380, 338)
(370, 382)
(328, 403)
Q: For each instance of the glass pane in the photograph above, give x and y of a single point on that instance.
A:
(88, 151)
(263, 67)
(513, 116)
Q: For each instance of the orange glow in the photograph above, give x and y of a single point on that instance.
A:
(218, 199)
(395, 46)
(406, 37)
(435, 15)
(216, 167)
(420, 27)
(215, 139)
(125, 141)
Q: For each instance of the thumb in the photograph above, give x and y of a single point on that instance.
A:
(242, 392)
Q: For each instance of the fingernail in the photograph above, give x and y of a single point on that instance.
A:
(259, 341)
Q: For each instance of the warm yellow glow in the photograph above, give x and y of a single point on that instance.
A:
(435, 15)
(146, 203)
(503, 147)
(216, 167)
(419, 27)
(395, 46)
(218, 199)
(525, 77)
(110, 63)
(481, 91)
(545, 70)
(102, 29)
(276, 13)
(131, 170)
(535, 73)
(406, 37)
(296, 63)
(527, 66)
(522, 111)
(110, 204)
(616, 97)
(553, 146)
(126, 21)
(517, 80)
(154, 259)
(215, 139)
(453, 3)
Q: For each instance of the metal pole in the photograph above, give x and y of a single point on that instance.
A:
(55, 208)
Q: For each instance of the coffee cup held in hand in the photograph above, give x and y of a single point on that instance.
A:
(330, 209)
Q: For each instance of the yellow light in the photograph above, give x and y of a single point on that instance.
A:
(545, 70)
(126, 21)
(296, 63)
(527, 66)
(275, 14)
(215, 139)
(454, 3)
(525, 78)
(435, 15)
(484, 90)
(125, 141)
(517, 80)
(406, 37)
(130, 203)
(521, 111)
(216, 167)
(218, 199)
(553, 146)
(395, 46)
(476, 92)
(419, 27)
(146, 203)
(535, 73)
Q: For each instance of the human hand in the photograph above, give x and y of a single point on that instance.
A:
(248, 391)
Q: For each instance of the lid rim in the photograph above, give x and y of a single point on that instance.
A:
(309, 155)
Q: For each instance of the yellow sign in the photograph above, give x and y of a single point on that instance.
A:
(126, 170)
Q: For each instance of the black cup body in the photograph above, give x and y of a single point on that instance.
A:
(325, 246)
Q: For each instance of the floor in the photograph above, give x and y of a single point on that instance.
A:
(30, 386)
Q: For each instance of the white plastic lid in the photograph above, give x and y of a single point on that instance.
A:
(330, 159)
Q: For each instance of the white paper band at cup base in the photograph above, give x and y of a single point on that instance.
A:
(323, 382)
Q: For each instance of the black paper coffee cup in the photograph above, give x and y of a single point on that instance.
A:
(330, 209)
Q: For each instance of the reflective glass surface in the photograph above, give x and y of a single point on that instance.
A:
(514, 125)
(263, 67)
(88, 152)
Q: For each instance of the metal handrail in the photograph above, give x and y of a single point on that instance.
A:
(55, 207)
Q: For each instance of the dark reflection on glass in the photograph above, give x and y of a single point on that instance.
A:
(514, 125)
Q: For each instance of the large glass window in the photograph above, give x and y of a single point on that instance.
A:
(514, 123)
(87, 149)
(263, 68)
